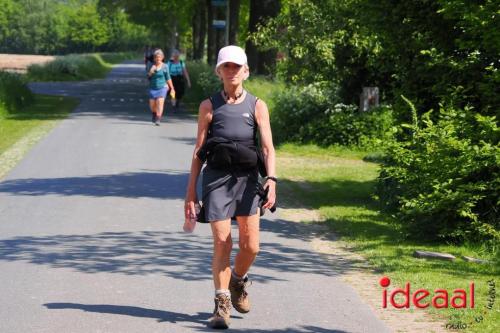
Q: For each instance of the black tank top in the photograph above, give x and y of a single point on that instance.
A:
(233, 121)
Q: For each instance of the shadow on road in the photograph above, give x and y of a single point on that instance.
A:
(134, 311)
(200, 318)
(162, 185)
(302, 329)
(172, 254)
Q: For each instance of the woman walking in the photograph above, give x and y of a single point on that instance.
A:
(179, 74)
(159, 82)
(231, 118)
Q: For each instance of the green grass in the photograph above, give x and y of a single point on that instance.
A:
(77, 67)
(339, 184)
(26, 125)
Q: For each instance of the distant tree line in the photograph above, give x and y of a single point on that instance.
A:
(71, 26)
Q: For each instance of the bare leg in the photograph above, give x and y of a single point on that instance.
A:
(221, 269)
(159, 106)
(248, 243)
(152, 105)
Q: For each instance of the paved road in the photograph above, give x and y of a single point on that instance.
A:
(91, 240)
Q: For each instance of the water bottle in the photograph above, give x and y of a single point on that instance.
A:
(190, 222)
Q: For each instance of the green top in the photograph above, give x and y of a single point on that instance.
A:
(159, 79)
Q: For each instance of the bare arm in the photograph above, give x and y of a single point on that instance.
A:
(170, 86)
(266, 139)
(151, 70)
(204, 119)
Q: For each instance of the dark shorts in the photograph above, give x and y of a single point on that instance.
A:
(158, 93)
(228, 194)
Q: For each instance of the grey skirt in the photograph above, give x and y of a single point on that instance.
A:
(227, 194)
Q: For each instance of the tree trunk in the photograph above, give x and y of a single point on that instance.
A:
(234, 20)
(220, 14)
(199, 25)
(261, 62)
(211, 47)
(250, 48)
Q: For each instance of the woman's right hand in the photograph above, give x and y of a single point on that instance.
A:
(190, 206)
(190, 215)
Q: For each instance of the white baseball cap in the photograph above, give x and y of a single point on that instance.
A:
(231, 53)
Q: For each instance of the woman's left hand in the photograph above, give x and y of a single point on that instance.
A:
(271, 195)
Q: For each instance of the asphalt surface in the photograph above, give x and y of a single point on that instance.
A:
(91, 233)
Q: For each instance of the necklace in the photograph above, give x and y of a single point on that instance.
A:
(226, 96)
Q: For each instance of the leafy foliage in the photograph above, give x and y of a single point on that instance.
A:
(56, 27)
(444, 182)
(322, 41)
(314, 114)
(432, 51)
(441, 173)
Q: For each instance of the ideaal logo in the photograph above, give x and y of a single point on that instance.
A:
(440, 298)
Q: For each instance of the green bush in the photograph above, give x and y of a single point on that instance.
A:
(204, 82)
(444, 182)
(313, 114)
(14, 94)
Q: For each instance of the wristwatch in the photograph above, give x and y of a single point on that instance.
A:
(274, 179)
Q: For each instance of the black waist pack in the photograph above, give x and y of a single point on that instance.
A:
(221, 153)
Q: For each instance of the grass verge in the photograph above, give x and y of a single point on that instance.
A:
(338, 184)
(20, 129)
(77, 67)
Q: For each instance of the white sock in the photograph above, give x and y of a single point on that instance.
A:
(237, 277)
(222, 291)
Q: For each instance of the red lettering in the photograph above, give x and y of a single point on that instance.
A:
(405, 292)
(463, 297)
(417, 299)
(384, 299)
(443, 296)
(471, 290)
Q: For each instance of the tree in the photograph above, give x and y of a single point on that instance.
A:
(211, 49)
(234, 20)
(87, 29)
(199, 24)
(261, 62)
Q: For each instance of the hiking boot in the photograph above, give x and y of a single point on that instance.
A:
(239, 295)
(222, 312)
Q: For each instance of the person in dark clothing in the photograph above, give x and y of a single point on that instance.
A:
(180, 76)
(232, 115)
(148, 56)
